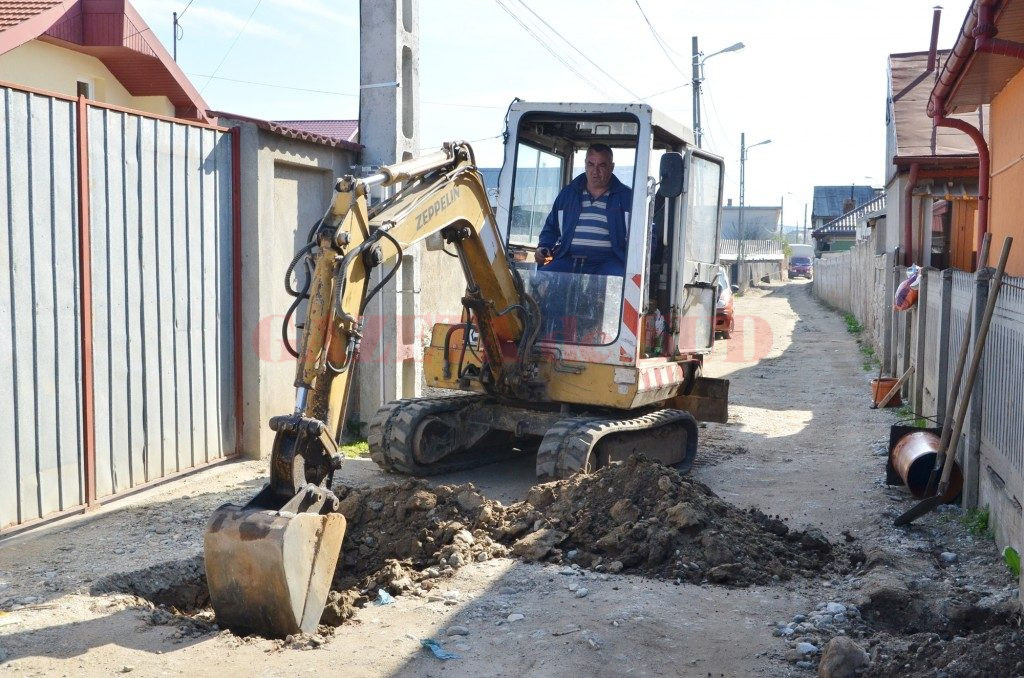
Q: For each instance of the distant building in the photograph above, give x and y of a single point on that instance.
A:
(832, 202)
(760, 222)
(843, 232)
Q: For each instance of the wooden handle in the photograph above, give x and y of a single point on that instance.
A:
(896, 387)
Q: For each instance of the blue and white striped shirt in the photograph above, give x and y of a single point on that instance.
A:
(592, 236)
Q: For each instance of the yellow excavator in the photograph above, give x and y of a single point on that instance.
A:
(586, 369)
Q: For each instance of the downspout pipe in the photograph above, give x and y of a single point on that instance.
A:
(985, 31)
(983, 168)
(908, 215)
(978, 35)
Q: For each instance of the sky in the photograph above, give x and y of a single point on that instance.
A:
(811, 77)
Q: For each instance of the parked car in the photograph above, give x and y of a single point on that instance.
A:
(723, 305)
(800, 267)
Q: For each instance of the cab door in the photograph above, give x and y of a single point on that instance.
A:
(693, 283)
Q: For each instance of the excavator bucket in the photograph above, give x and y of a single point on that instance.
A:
(269, 572)
(708, 401)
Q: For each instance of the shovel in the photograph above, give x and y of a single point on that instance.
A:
(948, 445)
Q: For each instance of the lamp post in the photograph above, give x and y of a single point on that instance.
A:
(698, 77)
(743, 180)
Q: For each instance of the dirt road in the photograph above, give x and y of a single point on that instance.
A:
(801, 443)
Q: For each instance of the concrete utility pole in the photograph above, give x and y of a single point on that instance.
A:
(697, 77)
(389, 132)
(741, 233)
(695, 87)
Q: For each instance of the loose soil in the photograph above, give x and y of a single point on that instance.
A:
(638, 517)
(792, 487)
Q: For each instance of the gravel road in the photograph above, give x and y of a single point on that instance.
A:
(801, 444)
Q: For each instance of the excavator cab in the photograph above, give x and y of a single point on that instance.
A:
(662, 308)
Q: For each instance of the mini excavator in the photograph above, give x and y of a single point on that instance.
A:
(584, 369)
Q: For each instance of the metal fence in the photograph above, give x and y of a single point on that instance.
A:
(160, 227)
(928, 337)
(41, 437)
(117, 304)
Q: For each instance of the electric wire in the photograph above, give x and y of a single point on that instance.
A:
(233, 43)
(331, 92)
(658, 39)
(666, 91)
(551, 50)
(577, 50)
(182, 12)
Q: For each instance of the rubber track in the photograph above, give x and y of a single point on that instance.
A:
(568, 446)
(394, 426)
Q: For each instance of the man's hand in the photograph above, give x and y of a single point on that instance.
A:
(542, 255)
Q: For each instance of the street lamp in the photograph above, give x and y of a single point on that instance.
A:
(698, 77)
(743, 172)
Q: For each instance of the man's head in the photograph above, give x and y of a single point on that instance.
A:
(599, 168)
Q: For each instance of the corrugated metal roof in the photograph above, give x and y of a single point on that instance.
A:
(910, 87)
(14, 12)
(829, 200)
(846, 224)
(291, 132)
(342, 130)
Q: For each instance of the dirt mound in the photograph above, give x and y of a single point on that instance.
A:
(640, 516)
(400, 537)
(995, 652)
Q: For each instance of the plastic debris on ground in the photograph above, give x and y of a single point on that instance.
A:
(384, 598)
(438, 651)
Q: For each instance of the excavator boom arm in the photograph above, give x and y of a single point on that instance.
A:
(269, 564)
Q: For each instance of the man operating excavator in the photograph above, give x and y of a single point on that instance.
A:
(587, 228)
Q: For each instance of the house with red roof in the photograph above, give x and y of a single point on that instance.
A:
(98, 48)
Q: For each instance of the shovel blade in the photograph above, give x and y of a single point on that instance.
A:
(269, 572)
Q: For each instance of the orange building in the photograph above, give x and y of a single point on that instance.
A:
(987, 67)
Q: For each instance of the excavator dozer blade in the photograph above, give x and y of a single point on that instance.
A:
(269, 572)
(708, 401)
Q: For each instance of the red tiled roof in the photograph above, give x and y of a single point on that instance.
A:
(14, 12)
(113, 32)
(287, 129)
(342, 130)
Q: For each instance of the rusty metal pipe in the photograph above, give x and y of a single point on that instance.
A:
(913, 457)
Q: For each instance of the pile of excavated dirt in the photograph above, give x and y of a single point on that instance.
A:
(638, 516)
(642, 517)
(995, 652)
(400, 537)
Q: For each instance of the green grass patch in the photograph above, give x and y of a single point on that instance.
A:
(853, 326)
(977, 523)
(360, 449)
(907, 412)
(867, 351)
(1012, 560)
